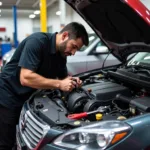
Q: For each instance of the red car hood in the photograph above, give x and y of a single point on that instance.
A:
(123, 25)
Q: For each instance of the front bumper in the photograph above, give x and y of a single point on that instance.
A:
(138, 138)
(32, 133)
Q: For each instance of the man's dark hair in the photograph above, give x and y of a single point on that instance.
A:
(76, 30)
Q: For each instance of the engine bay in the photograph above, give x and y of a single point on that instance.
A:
(113, 94)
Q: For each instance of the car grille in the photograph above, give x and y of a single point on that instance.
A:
(32, 130)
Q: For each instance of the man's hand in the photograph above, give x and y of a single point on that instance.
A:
(67, 84)
(78, 81)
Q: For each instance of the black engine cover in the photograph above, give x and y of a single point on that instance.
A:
(103, 93)
(107, 91)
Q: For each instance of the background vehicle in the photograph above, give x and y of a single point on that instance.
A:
(6, 58)
(91, 57)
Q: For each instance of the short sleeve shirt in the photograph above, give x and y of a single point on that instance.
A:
(37, 53)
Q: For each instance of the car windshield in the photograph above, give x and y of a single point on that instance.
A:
(141, 58)
(92, 38)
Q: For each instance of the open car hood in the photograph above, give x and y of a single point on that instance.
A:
(123, 25)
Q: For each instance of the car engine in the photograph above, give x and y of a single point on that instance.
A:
(113, 93)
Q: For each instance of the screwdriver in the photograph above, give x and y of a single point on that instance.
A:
(82, 115)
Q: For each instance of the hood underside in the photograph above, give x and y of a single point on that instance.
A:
(124, 26)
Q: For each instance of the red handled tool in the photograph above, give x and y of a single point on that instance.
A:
(82, 115)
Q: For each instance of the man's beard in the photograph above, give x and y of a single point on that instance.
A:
(62, 48)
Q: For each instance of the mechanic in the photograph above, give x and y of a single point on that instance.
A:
(39, 62)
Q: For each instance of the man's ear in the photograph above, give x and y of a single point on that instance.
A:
(65, 36)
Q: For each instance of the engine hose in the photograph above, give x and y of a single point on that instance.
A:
(123, 98)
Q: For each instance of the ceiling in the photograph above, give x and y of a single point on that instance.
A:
(24, 4)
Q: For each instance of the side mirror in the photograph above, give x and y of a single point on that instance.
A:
(101, 49)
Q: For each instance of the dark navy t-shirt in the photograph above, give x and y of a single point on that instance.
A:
(37, 53)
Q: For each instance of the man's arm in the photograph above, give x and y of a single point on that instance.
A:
(31, 79)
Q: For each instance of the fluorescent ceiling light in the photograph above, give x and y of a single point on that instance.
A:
(58, 13)
(37, 12)
(0, 10)
(32, 16)
(1, 3)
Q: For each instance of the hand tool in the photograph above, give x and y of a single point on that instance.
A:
(82, 115)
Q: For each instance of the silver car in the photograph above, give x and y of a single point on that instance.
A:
(91, 57)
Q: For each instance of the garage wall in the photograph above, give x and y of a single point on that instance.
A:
(77, 18)
(25, 24)
(24, 28)
(6, 22)
(52, 18)
(71, 15)
(36, 25)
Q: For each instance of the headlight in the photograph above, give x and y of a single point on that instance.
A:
(96, 136)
